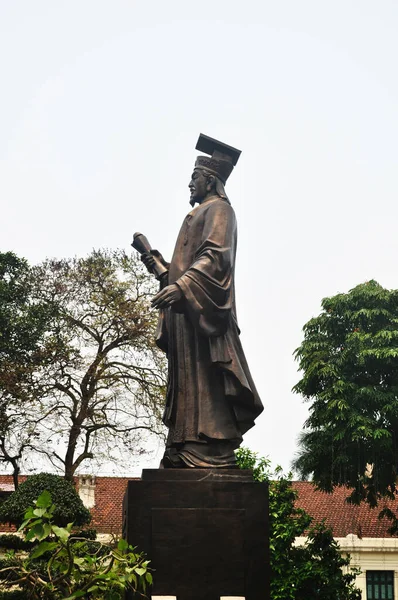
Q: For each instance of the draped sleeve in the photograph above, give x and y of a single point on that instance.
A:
(207, 285)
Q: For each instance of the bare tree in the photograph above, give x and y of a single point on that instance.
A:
(99, 389)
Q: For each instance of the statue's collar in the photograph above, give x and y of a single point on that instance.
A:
(204, 203)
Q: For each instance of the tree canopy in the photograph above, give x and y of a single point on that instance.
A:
(98, 381)
(299, 572)
(24, 323)
(349, 364)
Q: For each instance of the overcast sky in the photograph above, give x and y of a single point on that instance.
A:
(101, 106)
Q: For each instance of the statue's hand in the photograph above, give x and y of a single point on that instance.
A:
(167, 296)
(149, 261)
(160, 257)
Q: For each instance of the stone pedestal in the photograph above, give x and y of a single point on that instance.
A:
(204, 530)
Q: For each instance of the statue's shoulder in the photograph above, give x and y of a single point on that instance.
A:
(219, 205)
(221, 211)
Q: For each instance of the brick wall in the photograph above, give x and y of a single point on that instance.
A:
(7, 479)
(107, 513)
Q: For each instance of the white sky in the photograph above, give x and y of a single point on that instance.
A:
(101, 106)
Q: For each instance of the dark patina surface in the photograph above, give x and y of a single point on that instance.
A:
(205, 531)
(211, 397)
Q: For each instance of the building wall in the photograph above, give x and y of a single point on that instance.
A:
(107, 511)
(369, 554)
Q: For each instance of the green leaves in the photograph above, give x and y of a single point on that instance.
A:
(43, 501)
(61, 533)
(122, 545)
(314, 570)
(39, 512)
(39, 489)
(63, 566)
(42, 548)
(22, 321)
(349, 364)
(260, 466)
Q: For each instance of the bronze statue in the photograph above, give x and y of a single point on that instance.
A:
(211, 398)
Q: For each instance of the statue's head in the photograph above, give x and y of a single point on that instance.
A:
(211, 172)
(204, 184)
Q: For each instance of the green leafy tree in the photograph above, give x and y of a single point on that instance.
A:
(23, 326)
(68, 505)
(22, 322)
(349, 364)
(62, 566)
(315, 570)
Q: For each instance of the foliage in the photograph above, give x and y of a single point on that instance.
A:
(314, 570)
(321, 569)
(88, 533)
(69, 506)
(12, 595)
(22, 322)
(10, 541)
(98, 384)
(23, 325)
(62, 567)
(349, 364)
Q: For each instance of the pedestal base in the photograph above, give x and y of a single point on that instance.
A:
(204, 530)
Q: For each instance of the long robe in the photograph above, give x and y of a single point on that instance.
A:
(211, 398)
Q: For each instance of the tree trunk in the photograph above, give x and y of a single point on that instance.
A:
(15, 473)
(70, 453)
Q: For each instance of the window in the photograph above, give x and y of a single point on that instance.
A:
(380, 585)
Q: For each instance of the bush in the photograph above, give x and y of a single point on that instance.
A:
(61, 567)
(13, 595)
(10, 541)
(87, 534)
(315, 570)
(69, 507)
(7, 565)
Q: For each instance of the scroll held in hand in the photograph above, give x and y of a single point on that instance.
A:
(141, 244)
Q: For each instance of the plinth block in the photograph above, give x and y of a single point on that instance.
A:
(204, 530)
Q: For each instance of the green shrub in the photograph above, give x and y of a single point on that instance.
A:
(315, 570)
(87, 534)
(10, 541)
(60, 566)
(13, 595)
(69, 507)
(7, 564)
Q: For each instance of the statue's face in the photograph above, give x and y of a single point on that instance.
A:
(198, 186)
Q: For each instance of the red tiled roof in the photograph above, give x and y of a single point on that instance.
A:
(341, 517)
